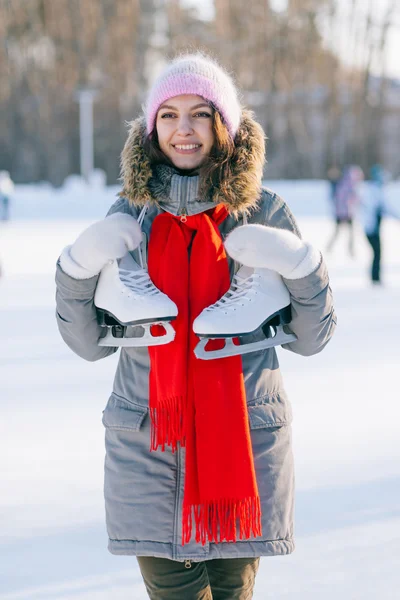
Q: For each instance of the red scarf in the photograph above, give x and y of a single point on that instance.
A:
(201, 404)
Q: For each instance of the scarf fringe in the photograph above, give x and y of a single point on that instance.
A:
(167, 424)
(217, 521)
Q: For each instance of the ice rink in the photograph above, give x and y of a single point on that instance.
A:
(346, 404)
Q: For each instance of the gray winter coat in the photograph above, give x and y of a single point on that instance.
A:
(143, 490)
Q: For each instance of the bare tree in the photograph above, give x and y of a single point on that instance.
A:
(317, 106)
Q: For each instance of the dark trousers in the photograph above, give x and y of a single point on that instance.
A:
(375, 241)
(218, 579)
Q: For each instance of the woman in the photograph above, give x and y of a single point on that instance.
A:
(215, 491)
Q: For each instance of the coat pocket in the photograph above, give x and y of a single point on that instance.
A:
(269, 411)
(273, 461)
(123, 415)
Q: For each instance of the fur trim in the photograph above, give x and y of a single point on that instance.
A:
(240, 194)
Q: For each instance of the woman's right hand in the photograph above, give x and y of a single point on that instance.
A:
(101, 242)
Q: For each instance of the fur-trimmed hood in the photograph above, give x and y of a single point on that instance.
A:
(240, 195)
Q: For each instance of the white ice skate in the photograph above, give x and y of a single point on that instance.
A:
(257, 300)
(128, 303)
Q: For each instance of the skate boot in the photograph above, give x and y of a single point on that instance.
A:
(128, 303)
(257, 305)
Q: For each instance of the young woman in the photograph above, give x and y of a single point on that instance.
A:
(199, 470)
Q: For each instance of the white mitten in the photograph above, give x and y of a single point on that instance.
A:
(105, 240)
(270, 248)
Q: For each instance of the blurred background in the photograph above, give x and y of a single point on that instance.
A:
(323, 78)
(321, 75)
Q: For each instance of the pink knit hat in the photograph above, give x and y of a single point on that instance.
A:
(199, 75)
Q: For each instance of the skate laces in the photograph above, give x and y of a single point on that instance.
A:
(138, 282)
(238, 291)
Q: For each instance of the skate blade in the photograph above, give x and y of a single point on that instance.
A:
(147, 339)
(231, 349)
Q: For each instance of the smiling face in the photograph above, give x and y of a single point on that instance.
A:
(185, 130)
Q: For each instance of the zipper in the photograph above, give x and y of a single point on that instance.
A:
(182, 195)
(177, 495)
(188, 564)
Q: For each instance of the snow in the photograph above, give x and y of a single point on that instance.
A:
(345, 404)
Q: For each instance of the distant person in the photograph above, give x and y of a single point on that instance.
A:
(334, 174)
(6, 190)
(374, 208)
(346, 199)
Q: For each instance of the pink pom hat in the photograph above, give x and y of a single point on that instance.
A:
(199, 75)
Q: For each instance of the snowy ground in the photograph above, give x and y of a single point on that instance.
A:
(346, 424)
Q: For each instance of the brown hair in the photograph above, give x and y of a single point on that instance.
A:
(217, 167)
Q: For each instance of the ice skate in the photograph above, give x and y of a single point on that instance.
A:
(128, 303)
(257, 302)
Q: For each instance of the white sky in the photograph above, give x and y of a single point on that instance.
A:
(205, 9)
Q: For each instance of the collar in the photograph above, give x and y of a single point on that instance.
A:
(175, 193)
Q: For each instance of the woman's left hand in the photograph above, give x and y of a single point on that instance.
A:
(265, 247)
